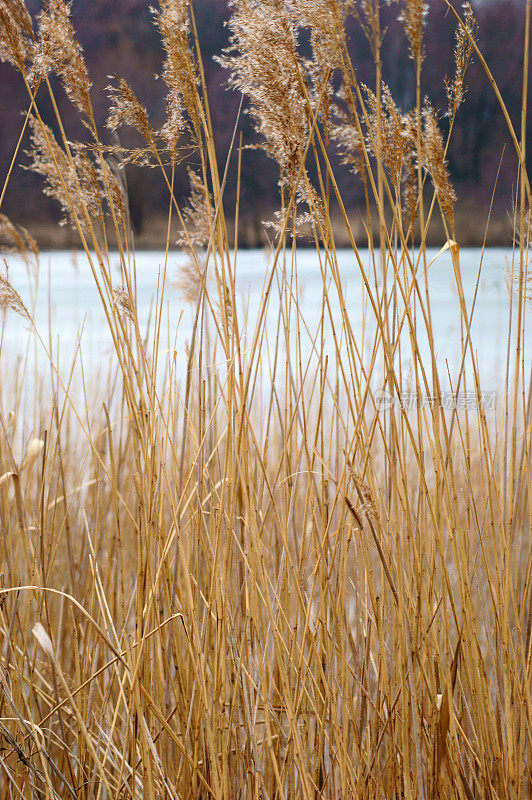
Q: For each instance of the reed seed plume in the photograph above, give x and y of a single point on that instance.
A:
(395, 142)
(413, 16)
(50, 161)
(196, 235)
(15, 33)
(463, 52)
(190, 278)
(83, 183)
(197, 214)
(18, 240)
(264, 66)
(123, 303)
(435, 163)
(10, 300)
(180, 71)
(349, 141)
(410, 188)
(21, 16)
(59, 51)
(111, 187)
(367, 14)
(325, 19)
(126, 109)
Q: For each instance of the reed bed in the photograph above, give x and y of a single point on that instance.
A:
(243, 574)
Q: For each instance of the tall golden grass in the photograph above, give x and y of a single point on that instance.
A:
(244, 576)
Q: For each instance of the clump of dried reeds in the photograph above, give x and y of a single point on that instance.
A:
(253, 569)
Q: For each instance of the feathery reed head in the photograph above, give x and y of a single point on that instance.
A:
(433, 155)
(264, 65)
(20, 14)
(325, 19)
(410, 188)
(73, 182)
(123, 302)
(19, 240)
(16, 32)
(126, 109)
(413, 17)
(196, 214)
(394, 144)
(191, 277)
(196, 235)
(349, 141)
(180, 71)
(10, 300)
(463, 51)
(83, 183)
(59, 51)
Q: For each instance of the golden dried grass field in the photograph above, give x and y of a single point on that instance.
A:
(234, 572)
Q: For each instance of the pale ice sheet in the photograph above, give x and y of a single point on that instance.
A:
(68, 308)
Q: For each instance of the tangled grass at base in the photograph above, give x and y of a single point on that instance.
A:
(242, 576)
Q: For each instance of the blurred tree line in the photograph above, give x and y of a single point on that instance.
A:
(119, 38)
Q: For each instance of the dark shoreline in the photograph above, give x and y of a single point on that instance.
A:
(470, 232)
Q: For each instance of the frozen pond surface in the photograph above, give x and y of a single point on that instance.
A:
(68, 302)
